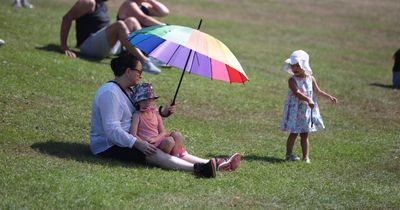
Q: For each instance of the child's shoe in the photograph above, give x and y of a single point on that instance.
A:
(307, 160)
(292, 157)
(229, 164)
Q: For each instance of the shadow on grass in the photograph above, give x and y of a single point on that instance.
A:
(77, 151)
(56, 48)
(263, 158)
(382, 85)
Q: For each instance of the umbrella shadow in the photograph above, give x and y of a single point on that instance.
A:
(382, 85)
(254, 158)
(56, 48)
(76, 151)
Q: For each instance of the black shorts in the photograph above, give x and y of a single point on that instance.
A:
(124, 154)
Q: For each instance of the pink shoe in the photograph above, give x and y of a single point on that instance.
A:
(228, 164)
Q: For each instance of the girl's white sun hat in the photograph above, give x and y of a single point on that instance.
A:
(300, 57)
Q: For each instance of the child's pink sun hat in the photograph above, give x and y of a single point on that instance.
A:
(300, 57)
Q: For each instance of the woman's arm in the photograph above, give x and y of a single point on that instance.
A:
(135, 123)
(111, 116)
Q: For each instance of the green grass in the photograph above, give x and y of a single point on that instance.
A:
(45, 101)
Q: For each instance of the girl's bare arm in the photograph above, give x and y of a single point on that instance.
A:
(322, 93)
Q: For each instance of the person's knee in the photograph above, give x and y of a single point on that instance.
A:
(177, 135)
(167, 144)
(120, 26)
(132, 24)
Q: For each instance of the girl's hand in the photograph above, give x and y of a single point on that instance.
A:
(171, 108)
(333, 99)
(311, 103)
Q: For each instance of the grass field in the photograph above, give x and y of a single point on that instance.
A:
(45, 100)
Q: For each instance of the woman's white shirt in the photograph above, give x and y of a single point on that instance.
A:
(111, 119)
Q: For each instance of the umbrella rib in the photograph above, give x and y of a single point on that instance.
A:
(170, 58)
(211, 69)
(194, 56)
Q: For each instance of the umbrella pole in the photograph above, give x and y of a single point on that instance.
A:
(184, 69)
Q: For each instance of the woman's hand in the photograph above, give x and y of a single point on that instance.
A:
(145, 147)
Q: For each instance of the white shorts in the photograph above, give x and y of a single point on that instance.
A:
(96, 45)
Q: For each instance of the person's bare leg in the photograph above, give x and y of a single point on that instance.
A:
(290, 143)
(305, 145)
(194, 159)
(167, 145)
(178, 140)
(167, 161)
(132, 24)
(119, 31)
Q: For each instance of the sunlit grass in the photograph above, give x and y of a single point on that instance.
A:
(45, 101)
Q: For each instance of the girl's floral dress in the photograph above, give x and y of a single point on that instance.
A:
(297, 114)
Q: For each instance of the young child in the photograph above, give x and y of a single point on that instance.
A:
(148, 125)
(301, 112)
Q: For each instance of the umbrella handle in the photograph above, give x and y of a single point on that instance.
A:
(161, 113)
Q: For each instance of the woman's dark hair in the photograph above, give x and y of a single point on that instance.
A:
(122, 62)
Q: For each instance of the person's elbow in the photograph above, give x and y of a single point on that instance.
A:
(164, 12)
(66, 19)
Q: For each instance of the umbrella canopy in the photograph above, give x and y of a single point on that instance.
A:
(190, 50)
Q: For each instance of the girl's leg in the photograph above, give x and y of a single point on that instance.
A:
(305, 145)
(167, 145)
(178, 148)
(132, 24)
(290, 143)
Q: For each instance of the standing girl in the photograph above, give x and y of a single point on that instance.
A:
(301, 112)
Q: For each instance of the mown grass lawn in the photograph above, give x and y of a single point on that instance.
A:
(45, 101)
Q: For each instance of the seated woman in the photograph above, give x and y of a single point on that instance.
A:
(111, 121)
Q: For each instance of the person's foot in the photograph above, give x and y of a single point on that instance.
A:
(2, 42)
(307, 160)
(207, 170)
(149, 67)
(158, 62)
(292, 157)
(228, 164)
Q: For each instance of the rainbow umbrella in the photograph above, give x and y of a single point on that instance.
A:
(191, 50)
